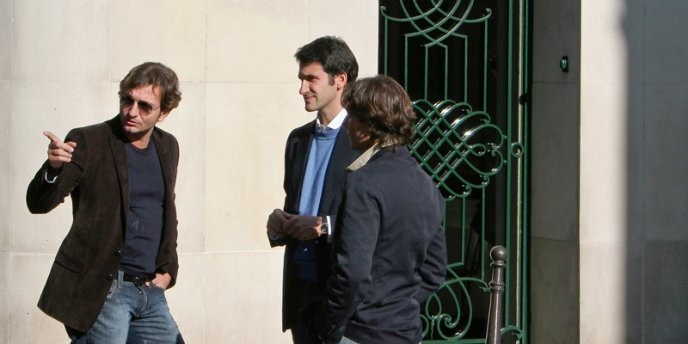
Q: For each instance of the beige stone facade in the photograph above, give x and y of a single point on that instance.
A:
(608, 202)
(60, 64)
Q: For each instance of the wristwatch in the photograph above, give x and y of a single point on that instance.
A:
(325, 227)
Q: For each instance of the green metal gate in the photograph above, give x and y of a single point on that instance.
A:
(464, 63)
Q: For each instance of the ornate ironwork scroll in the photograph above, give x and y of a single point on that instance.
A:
(463, 64)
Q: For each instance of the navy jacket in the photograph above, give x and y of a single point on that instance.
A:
(295, 160)
(389, 254)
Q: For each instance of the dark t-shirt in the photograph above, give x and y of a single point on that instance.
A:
(146, 195)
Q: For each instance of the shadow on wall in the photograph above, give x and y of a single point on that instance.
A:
(656, 301)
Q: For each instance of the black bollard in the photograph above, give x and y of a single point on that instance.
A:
(496, 314)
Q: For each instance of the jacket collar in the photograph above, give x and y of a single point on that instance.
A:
(368, 154)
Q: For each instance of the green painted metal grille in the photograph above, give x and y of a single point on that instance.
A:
(464, 65)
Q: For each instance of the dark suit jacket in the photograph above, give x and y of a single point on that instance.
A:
(295, 160)
(90, 254)
(390, 252)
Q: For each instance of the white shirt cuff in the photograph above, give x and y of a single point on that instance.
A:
(49, 181)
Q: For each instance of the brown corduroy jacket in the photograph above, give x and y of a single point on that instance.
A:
(90, 254)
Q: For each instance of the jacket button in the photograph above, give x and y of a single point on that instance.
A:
(118, 253)
(110, 277)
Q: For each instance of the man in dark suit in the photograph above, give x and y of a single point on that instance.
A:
(389, 247)
(315, 165)
(109, 276)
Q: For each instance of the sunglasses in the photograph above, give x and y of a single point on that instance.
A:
(145, 108)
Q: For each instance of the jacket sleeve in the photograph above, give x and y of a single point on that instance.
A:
(288, 186)
(355, 241)
(42, 196)
(167, 260)
(434, 268)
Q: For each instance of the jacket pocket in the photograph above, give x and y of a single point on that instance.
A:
(69, 263)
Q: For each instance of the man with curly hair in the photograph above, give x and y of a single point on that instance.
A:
(389, 247)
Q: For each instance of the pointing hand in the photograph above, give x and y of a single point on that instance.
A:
(59, 152)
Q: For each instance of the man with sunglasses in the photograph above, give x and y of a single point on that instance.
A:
(109, 276)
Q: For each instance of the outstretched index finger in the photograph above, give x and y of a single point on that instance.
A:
(51, 136)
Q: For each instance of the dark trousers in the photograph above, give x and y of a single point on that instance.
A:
(308, 300)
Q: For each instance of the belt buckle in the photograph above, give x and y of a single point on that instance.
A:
(139, 281)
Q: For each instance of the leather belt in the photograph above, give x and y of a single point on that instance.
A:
(137, 280)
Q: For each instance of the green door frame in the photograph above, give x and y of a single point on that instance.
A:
(466, 66)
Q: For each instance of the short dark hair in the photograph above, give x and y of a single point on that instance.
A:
(383, 106)
(333, 54)
(157, 74)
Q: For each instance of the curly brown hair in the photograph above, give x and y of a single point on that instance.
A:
(382, 105)
(154, 73)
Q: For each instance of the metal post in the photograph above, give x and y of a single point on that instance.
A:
(496, 316)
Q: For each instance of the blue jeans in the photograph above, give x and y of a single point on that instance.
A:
(133, 315)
